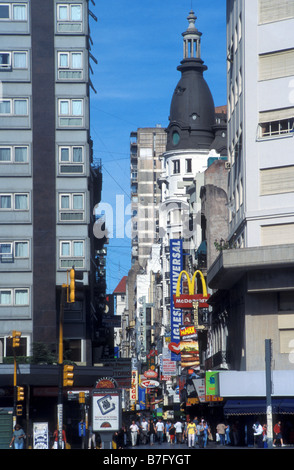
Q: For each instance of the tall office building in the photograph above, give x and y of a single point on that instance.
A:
(147, 145)
(49, 184)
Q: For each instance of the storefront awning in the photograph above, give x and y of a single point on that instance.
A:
(250, 407)
(286, 406)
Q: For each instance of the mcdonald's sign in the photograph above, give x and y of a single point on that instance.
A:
(187, 300)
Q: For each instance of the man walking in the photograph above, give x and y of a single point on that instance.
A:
(159, 427)
(144, 429)
(134, 433)
(179, 431)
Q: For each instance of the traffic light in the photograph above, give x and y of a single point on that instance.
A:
(20, 393)
(18, 410)
(76, 286)
(16, 339)
(68, 376)
(82, 397)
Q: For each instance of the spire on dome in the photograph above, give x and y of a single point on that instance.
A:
(192, 39)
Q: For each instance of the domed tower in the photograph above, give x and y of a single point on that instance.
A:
(192, 110)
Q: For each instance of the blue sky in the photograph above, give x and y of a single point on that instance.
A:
(138, 45)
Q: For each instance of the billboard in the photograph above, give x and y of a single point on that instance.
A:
(106, 410)
(176, 266)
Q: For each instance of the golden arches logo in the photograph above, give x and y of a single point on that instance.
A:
(191, 283)
(186, 300)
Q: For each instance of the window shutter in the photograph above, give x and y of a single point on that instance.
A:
(276, 115)
(276, 65)
(271, 10)
(281, 234)
(277, 180)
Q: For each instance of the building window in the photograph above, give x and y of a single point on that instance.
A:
(13, 12)
(72, 253)
(14, 107)
(13, 60)
(188, 165)
(71, 207)
(13, 154)
(69, 17)
(17, 297)
(14, 201)
(70, 112)
(276, 123)
(276, 128)
(176, 167)
(70, 65)
(10, 250)
(270, 11)
(71, 159)
(276, 65)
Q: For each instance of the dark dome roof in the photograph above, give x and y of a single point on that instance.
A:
(192, 110)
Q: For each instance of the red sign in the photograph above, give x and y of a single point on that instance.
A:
(149, 384)
(174, 347)
(188, 301)
(150, 374)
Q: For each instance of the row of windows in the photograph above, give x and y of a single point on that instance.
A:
(70, 63)
(177, 166)
(18, 12)
(17, 297)
(70, 252)
(71, 157)
(70, 111)
(13, 12)
(13, 60)
(71, 206)
(20, 154)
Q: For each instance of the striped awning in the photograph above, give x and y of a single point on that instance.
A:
(258, 406)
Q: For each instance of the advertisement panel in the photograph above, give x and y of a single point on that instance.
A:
(189, 347)
(40, 436)
(106, 410)
(176, 266)
(211, 379)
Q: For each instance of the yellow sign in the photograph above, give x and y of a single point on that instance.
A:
(191, 283)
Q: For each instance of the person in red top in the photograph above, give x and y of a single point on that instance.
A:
(278, 433)
(55, 437)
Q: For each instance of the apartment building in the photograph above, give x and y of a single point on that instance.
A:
(49, 182)
(254, 296)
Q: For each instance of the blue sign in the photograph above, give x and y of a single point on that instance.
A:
(176, 266)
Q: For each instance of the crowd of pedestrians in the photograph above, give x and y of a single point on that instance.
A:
(193, 432)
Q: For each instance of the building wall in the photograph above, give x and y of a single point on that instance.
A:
(150, 143)
(48, 50)
(252, 92)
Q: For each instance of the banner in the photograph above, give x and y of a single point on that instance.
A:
(176, 266)
(211, 383)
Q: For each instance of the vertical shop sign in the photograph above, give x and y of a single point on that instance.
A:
(176, 266)
(212, 383)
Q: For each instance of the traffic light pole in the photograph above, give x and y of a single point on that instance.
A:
(60, 369)
(14, 389)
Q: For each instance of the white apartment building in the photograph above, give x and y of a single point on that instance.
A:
(260, 50)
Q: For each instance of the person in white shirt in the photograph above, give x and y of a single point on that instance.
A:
(179, 431)
(159, 427)
(134, 433)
